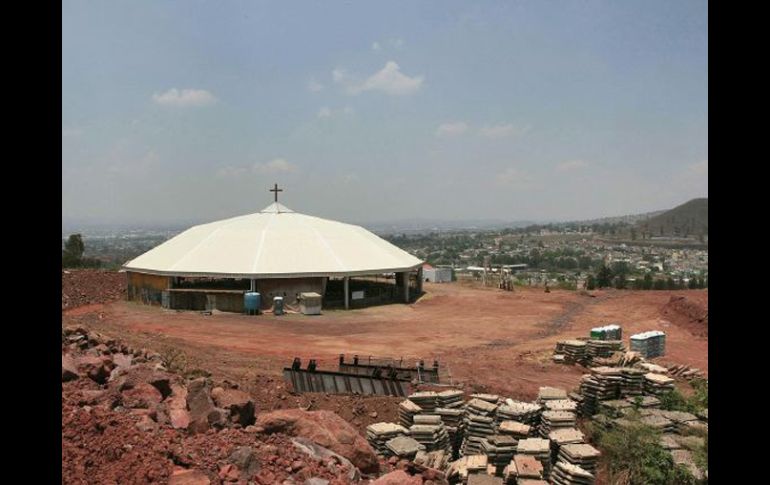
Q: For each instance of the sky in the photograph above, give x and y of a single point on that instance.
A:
(370, 111)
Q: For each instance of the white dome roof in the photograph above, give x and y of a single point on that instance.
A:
(273, 243)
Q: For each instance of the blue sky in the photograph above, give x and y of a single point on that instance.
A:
(378, 111)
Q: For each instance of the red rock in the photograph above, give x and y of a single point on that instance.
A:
(180, 418)
(69, 370)
(398, 477)
(143, 395)
(146, 424)
(95, 367)
(326, 429)
(180, 476)
(200, 404)
(228, 473)
(239, 403)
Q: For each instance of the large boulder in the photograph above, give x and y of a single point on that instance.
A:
(238, 403)
(132, 376)
(398, 477)
(142, 395)
(246, 459)
(326, 429)
(321, 454)
(69, 370)
(200, 404)
(95, 367)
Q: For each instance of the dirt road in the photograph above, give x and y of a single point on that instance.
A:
(494, 340)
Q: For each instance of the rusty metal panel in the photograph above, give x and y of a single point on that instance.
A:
(330, 382)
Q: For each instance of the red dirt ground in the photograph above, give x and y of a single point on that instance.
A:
(489, 339)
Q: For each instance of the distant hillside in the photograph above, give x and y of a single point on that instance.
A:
(629, 219)
(688, 219)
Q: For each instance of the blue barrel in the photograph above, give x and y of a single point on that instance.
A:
(251, 302)
(278, 305)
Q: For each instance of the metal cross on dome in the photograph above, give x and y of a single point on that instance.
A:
(275, 190)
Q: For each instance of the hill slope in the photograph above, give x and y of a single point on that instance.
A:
(688, 219)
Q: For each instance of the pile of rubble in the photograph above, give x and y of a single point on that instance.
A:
(128, 419)
(91, 286)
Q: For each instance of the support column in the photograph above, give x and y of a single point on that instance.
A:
(419, 281)
(347, 292)
(253, 285)
(406, 286)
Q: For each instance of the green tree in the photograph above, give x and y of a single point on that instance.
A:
(604, 276)
(74, 248)
(659, 284)
(620, 282)
(670, 283)
(647, 284)
(590, 282)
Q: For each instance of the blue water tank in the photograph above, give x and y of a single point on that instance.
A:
(278, 305)
(251, 302)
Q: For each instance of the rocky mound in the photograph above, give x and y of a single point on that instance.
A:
(687, 313)
(89, 286)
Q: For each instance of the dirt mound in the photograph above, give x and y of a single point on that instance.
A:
(82, 287)
(687, 313)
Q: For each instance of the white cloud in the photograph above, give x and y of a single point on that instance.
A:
(185, 97)
(502, 130)
(397, 43)
(570, 165)
(276, 165)
(452, 128)
(339, 75)
(389, 80)
(513, 178)
(324, 112)
(376, 46)
(314, 86)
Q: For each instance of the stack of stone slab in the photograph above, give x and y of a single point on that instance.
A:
(632, 383)
(451, 398)
(564, 436)
(514, 429)
(649, 344)
(378, 434)
(432, 459)
(644, 402)
(607, 332)
(683, 421)
(531, 481)
(490, 398)
(430, 432)
(561, 405)
(478, 424)
(479, 479)
(459, 470)
(499, 449)
(427, 400)
(615, 407)
(404, 447)
(602, 348)
(659, 422)
(453, 420)
(553, 420)
(521, 468)
(567, 474)
(407, 410)
(550, 393)
(581, 454)
(578, 398)
(657, 384)
(574, 351)
(603, 383)
(524, 412)
(538, 448)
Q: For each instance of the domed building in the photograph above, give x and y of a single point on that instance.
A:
(276, 252)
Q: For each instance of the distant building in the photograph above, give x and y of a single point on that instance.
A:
(436, 275)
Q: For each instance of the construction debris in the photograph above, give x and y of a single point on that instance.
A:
(523, 467)
(523, 412)
(432, 436)
(539, 449)
(434, 459)
(574, 351)
(603, 348)
(451, 398)
(499, 449)
(427, 400)
(514, 428)
(479, 423)
(549, 393)
(552, 420)
(459, 470)
(404, 447)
